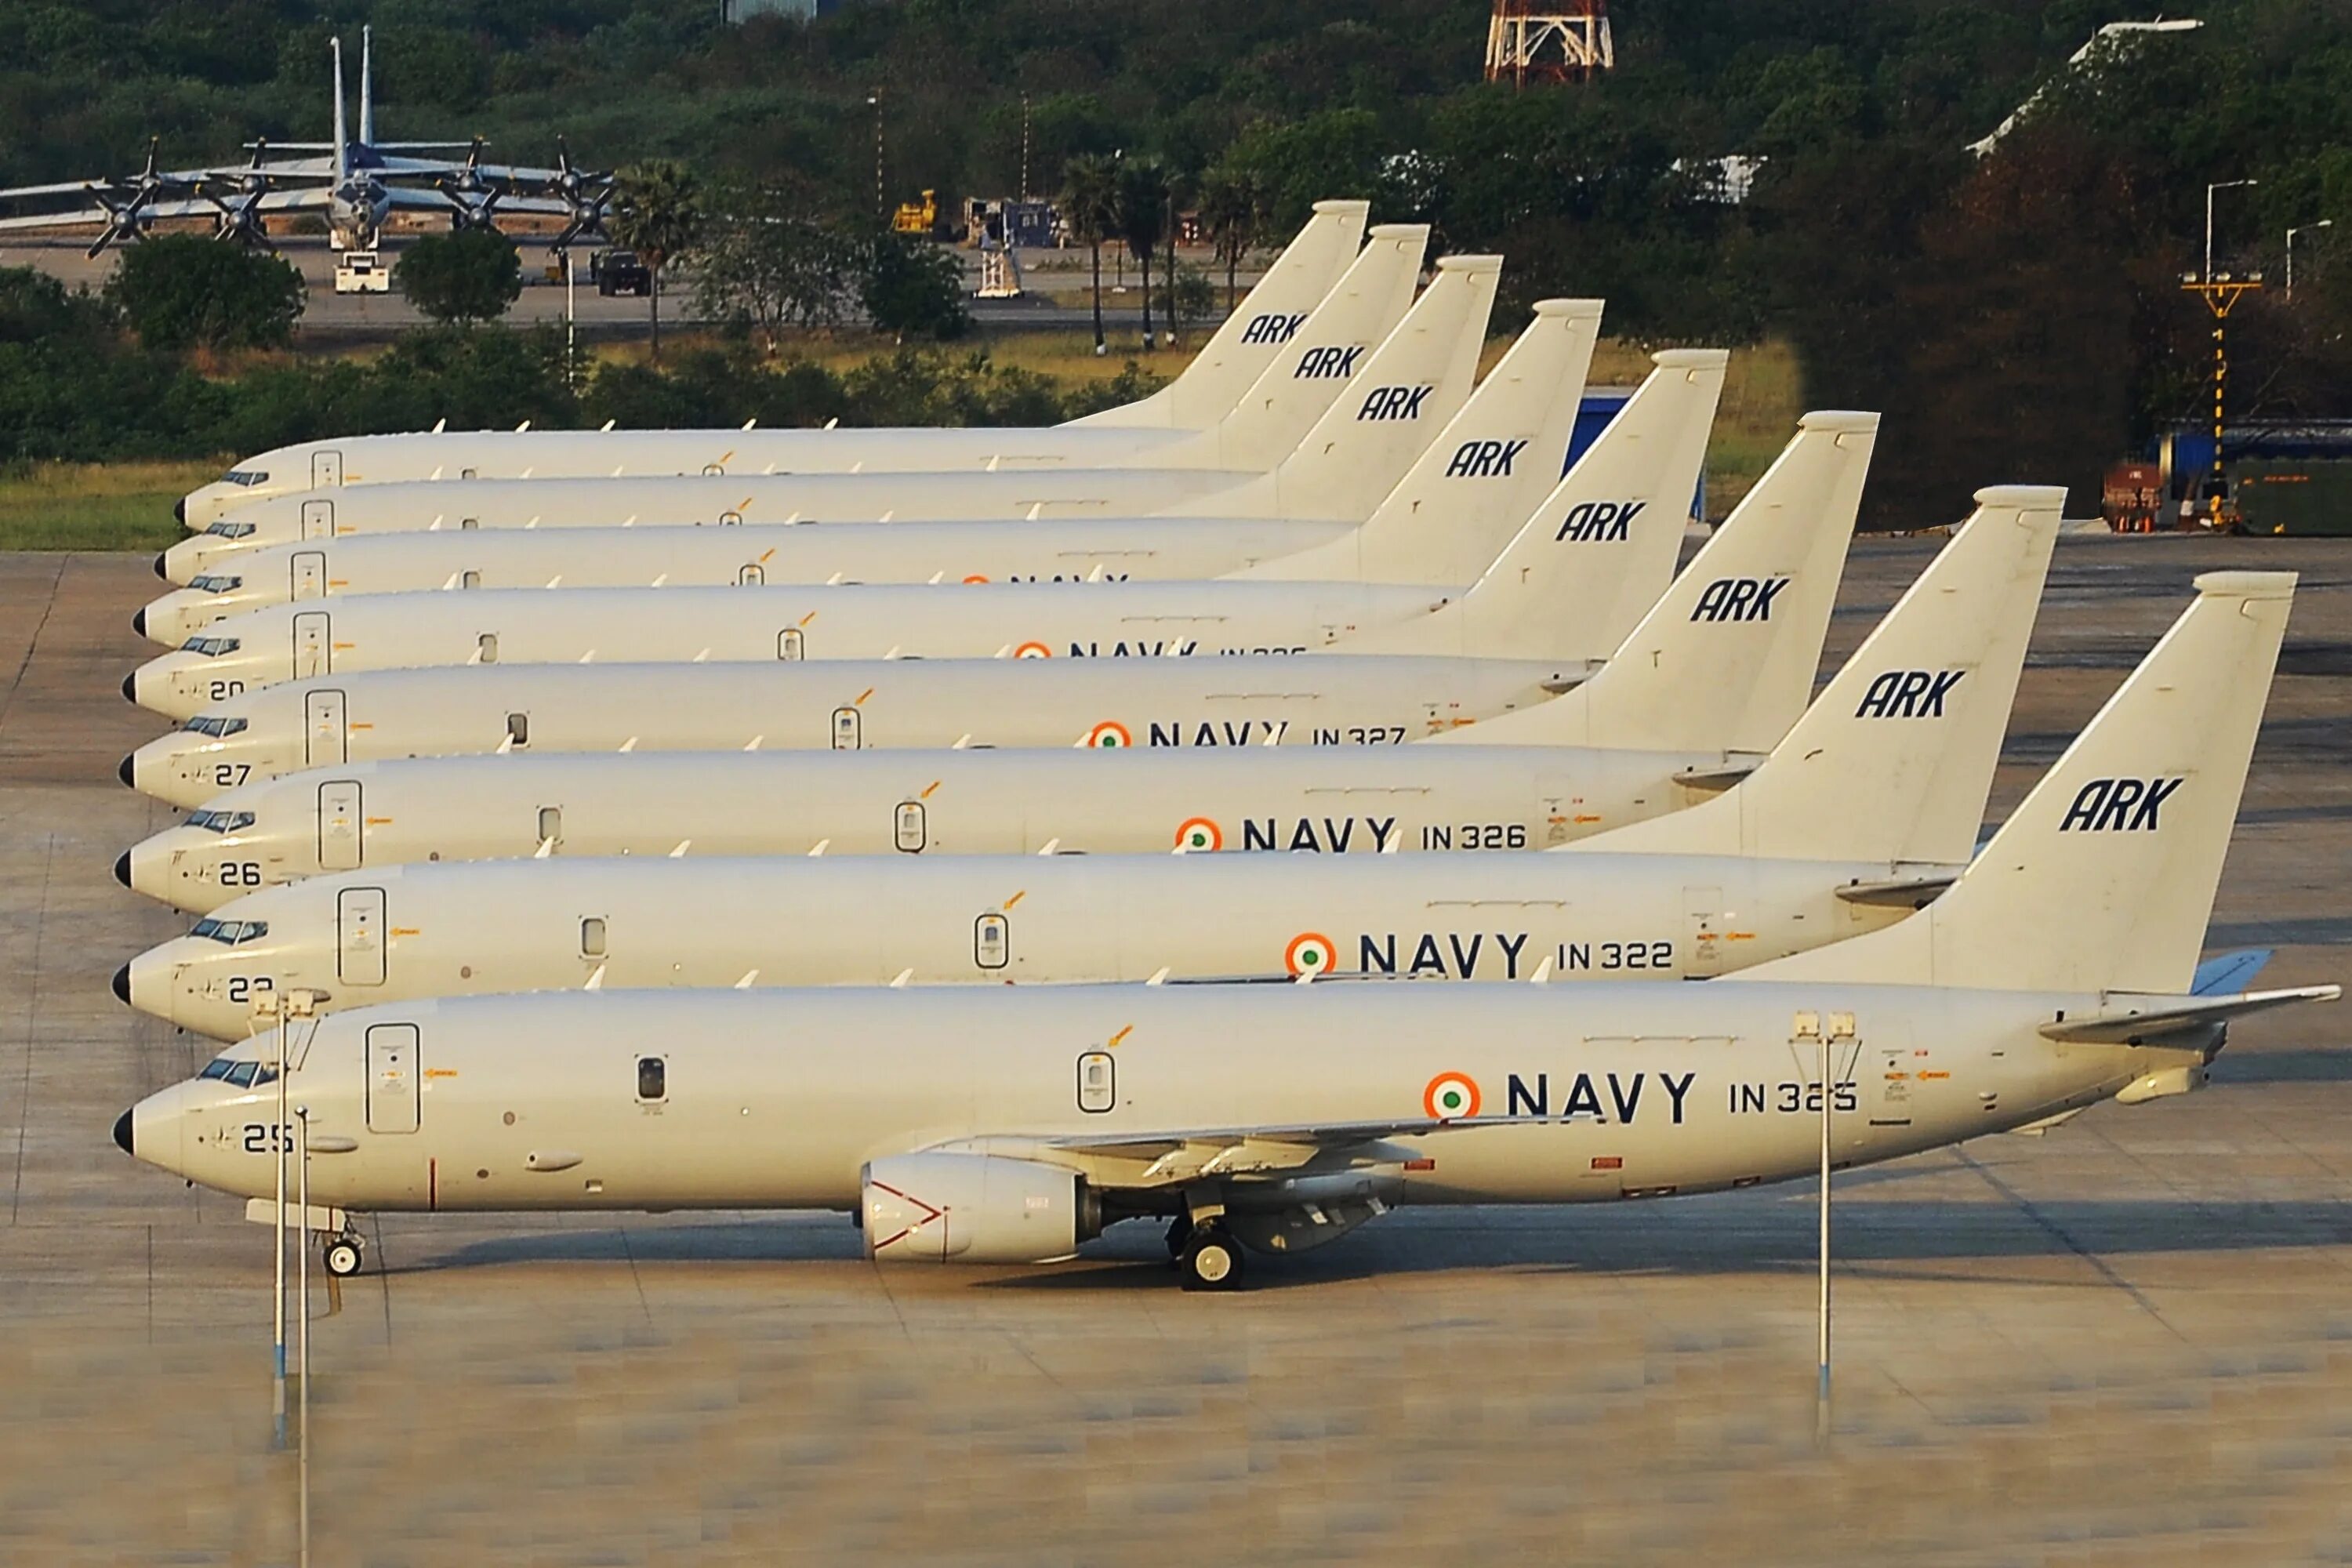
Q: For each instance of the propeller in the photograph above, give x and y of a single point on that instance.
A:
(125, 202)
(473, 200)
(588, 192)
(238, 197)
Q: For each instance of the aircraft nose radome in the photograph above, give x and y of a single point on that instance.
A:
(122, 875)
(159, 554)
(122, 985)
(131, 687)
(139, 619)
(180, 516)
(122, 1133)
(128, 774)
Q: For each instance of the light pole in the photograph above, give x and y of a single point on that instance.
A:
(2305, 228)
(2222, 185)
(2219, 294)
(874, 101)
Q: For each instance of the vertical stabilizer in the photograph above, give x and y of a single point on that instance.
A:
(1316, 366)
(367, 86)
(1471, 489)
(342, 141)
(2104, 878)
(1238, 352)
(1894, 758)
(1724, 658)
(1601, 548)
(1411, 387)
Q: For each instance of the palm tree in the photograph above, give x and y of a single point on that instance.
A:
(1143, 196)
(1090, 206)
(1232, 209)
(657, 213)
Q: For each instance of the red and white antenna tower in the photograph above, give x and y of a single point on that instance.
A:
(1560, 40)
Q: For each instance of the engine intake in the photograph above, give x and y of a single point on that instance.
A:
(974, 1208)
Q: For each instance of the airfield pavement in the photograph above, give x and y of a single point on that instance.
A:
(2129, 1341)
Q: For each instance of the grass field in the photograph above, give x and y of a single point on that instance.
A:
(97, 506)
(128, 506)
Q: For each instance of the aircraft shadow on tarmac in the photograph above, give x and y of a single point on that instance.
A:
(1747, 1234)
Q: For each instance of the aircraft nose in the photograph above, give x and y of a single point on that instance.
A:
(180, 516)
(131, 687)
(122, 873)
(139, 618)
(159, 560)
(128, 774)
(122, 985)
(123, 1135)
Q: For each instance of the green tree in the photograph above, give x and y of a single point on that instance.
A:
(1090, 206)
(1188, 297)
(181, 292)
(470, 275)
(1144, 218)
(657, 212)
(1232, 211)
(764, 267)
(913, 289)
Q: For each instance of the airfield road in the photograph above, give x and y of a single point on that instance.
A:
(2129, 1341)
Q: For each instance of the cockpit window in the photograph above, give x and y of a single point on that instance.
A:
(231, 932)
(244, 1075)
(219, 1067)
(245, 478)
(221, 821)
(231, 530)
(216, 727)
(211, 648)
(215, 583)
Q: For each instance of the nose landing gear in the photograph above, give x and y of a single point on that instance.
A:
(344, 1254)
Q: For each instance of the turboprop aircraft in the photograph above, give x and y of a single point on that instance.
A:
(1812, 492)
(1426, 357)
(1526, 409)
(1866, 810)
(1009, 1124)
(1319, 261)
(1650, 456)
(1706, 697)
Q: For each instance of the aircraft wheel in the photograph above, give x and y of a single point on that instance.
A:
(344, 1256)
(1211, 1261)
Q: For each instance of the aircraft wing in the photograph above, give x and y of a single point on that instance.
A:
(1144, 1160)
(2166, 1017)
(315, 197)
(419, 198)
(69, 188)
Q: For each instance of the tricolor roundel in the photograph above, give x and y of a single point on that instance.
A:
(1451, 1096)
(1198, 834)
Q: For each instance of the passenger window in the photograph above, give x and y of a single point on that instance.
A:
(788, 643)
(519, 729)
(551, 824)
(1097, 1082)
(849, 731)
(991, 942)
(469, 580)
(486, 648)
(592, 937)
(653, 1079)
(908, 828)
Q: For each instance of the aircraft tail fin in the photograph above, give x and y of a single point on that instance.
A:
(1313, 368)
(1724, 658)
(342, 143)
(367, 85)
(2104, 878)
(1240, 349)
(1598, 551)
(1894, 760)
(1411, 386)
(1470, 489)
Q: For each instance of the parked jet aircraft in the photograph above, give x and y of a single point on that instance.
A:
(1423, 481)
(1418, 372)
(357, 185)
(1008, 1124)
(1867, 808)
(1322, 261)
(1791, 528)
(1648, 457)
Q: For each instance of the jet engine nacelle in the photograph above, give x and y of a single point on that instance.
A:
(974, 1208)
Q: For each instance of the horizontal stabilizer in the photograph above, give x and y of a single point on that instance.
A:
(2169, 1017)
(1899, 892)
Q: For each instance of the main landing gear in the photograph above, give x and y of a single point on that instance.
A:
(1204, 1253)
(344, 1254)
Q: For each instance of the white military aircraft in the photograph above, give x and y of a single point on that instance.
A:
(1322, 261)
(1698, 727)
(356, 185)
(1008, 1124)
(1383, 466)
(1790, 530)
(1303, 385)
(1648, 457)
(1866, 810)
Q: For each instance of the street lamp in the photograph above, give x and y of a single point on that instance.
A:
(2305, 228)
(874, 102)
(2223, 185)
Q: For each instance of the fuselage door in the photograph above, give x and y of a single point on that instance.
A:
(753, 576)
(1703, 931)
(359, 936)
(326, 471)
(789, 644)
(338, 826)
(1886, 1082)
(308, 573)
(848, 730)
(312, 631)
(393, 1075)
(325, 739)
(318, 520)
